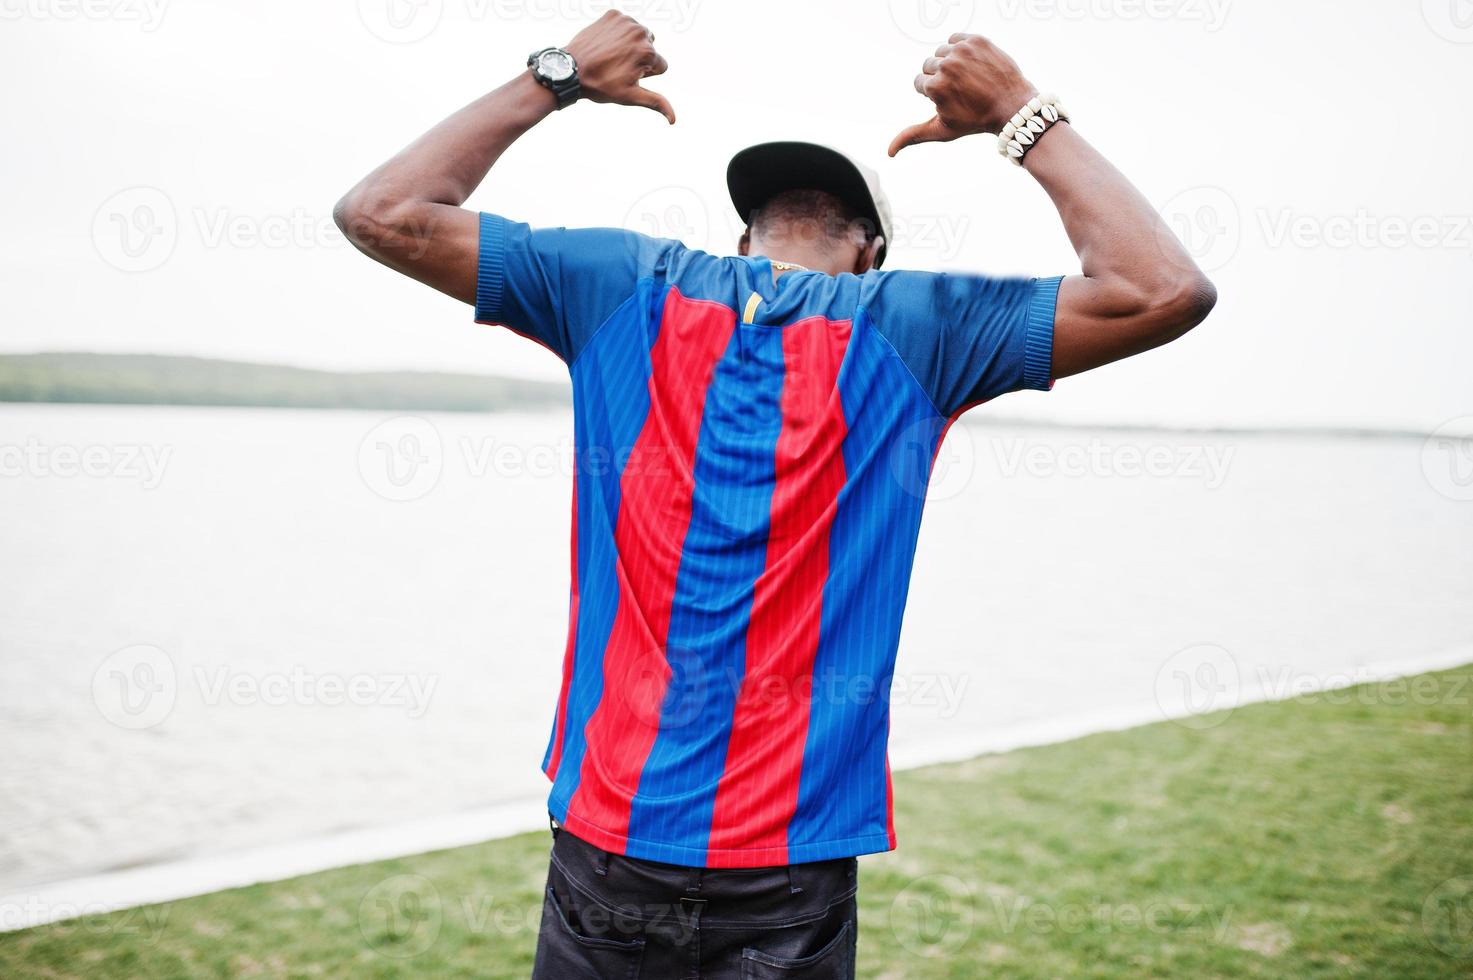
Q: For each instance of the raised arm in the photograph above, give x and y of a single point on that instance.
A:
(1139, 289)
(407, 214)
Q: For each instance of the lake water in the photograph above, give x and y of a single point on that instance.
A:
(227, 628)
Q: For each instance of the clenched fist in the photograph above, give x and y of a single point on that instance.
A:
(614, 54)
(976, 88)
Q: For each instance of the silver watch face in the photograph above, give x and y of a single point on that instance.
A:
(555, 66)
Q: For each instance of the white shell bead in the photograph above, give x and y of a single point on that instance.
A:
(1051, 113)
(1037, 125)
(1015, 151)
(1017, 121)
(1008, 130)
(1035, 103)
(1025, 137)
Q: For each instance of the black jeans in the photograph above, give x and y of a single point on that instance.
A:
(616, 918)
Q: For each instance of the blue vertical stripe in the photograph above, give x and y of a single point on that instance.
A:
(610, 406)
(725, 551)
(891, 442)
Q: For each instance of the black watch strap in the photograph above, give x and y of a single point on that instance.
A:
(568, 91)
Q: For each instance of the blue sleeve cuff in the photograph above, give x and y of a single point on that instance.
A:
(1038, 334)
(491, 269)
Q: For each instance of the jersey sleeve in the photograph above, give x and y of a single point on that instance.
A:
(558, 285)
(967, 338)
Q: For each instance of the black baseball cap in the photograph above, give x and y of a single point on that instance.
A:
(759, 173)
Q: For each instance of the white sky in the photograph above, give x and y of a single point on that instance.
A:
(1298, 141)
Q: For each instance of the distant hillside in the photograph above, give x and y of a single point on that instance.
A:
(150, 379)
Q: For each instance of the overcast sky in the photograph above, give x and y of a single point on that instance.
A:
(169, 172)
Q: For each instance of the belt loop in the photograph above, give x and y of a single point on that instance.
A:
(553, 826)
(601, 863)
(793, 887)
(695, 889)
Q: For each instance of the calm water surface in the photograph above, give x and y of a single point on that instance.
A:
(225, 627)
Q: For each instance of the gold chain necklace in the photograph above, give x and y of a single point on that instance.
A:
(790, 267)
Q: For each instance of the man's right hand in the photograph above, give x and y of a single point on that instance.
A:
(615, 53)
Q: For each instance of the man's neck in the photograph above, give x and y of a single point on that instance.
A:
(808, 258)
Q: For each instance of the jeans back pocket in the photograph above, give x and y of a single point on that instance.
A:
(566, 952)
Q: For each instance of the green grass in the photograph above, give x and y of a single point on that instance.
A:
(1323, 838)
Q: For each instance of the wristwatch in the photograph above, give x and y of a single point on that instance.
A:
(557, 70)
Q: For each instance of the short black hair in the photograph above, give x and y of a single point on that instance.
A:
(811, 215)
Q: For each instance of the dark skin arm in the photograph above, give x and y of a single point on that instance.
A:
(408, 213)
(1140, 288)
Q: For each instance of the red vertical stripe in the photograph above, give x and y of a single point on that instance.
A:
(758, 791)
(559, 727)
(654, 513)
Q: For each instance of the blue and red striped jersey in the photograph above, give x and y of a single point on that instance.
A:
(750, 468)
